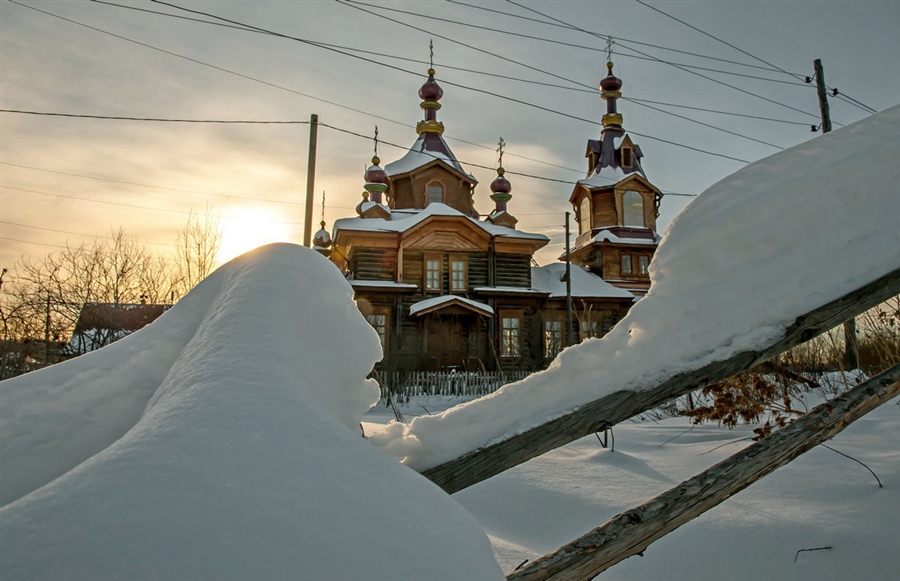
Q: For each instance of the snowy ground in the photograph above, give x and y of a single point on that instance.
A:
(821, 499)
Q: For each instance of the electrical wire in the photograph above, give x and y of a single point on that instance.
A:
(150, 186)
(157, 119)
(31, 242)
(274, 85)
(624, 45)
(725, 42)
(81, 233)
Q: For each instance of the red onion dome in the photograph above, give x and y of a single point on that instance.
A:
(360, 207)
(375, 174)
(501, 185)
(431, 91)
(322, 239)
(610, 82)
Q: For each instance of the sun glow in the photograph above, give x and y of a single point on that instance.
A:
(255, 227)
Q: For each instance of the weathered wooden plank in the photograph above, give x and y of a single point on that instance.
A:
(631, 532)
(483, 463)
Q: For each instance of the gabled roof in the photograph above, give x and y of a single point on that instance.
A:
(585, 284)
(428, 148)
(607, 150)
(437, 303)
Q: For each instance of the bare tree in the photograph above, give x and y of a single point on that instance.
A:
(197, 244)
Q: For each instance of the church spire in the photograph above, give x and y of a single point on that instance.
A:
(609, 90)
(500, 187)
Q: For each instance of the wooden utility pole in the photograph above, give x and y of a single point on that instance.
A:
(310, 178)
(851, 344)
(570, 340)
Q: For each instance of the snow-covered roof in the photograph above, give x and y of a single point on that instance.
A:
(427, 148)
(446, 300)
(585, 284)
(403, 220)
(608, 235)
(508, 290)
(606, 176)
(385, 284)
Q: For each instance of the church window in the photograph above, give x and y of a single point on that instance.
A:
(510, 334)
(584, 215)
(626, 264)
(378, 318)
(632, 209)
(458, 274)
(644, 264)
(589, 328)
(435, 193)
(552, 338)
(627, 157)
(433, 274)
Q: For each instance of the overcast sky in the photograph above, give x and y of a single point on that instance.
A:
(70, 179)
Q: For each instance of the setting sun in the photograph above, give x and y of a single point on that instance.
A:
(253, 228)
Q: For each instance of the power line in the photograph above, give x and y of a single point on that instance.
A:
(558, 42)
(30, 242)
(126, 205)
(148, 185)
(270, 84)
(725, 42)
(624, 45)
(637, 42)
(732, 113)
(157, 119)
(80, 233)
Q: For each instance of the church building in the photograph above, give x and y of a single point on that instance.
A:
(449, 291)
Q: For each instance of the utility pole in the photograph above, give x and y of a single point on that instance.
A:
(310, 179)
(851, 345)
(570, 340)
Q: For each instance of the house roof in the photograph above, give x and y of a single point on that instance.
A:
(117, 317)
(427, 148)
(585, 284)
(437, 303)
(406, 219)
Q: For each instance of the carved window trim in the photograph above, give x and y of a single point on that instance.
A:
(459, 278)
(511, 332)
(433, 272)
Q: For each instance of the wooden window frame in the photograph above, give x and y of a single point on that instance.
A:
(584, 222)
(626, 259)
(459, 259)
(550, 322)
(516, 351)
(627, 157)
(625, 195)
(371, 317)
(428, 186)
(644, 265)
(439, 258)
(596, 331)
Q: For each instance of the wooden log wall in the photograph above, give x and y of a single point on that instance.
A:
(373, 263)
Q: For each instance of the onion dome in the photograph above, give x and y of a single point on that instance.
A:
(431, 91)
(610, 82)
(376, 180)
(609, 90)
(322, 239)
(501, 189)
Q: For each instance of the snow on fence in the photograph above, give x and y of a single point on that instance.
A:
(458, 383)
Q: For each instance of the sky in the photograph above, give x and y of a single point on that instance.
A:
(69, 180)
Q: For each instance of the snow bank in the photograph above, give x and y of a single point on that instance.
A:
(776, 239)
(247, 462)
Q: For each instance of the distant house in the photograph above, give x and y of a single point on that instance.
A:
(101, 324)
(449, 291)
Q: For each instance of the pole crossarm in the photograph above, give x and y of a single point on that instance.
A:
(631, 532)
(483, 463)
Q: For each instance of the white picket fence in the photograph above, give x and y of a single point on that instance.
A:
(464, 383)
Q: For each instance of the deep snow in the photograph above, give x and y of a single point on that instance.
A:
(749, 255)
(247, 461)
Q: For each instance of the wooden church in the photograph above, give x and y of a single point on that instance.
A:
(449, 291)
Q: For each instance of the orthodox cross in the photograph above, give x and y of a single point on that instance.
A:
(323, 207)
(501, 144)
(609, 48)
(431, 54)
(376, 141)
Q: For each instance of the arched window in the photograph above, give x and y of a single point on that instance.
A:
(632, 209)
(584, 215)
(435, 193)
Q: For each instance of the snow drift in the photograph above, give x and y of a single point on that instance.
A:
(748, 256)
(223, 442)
